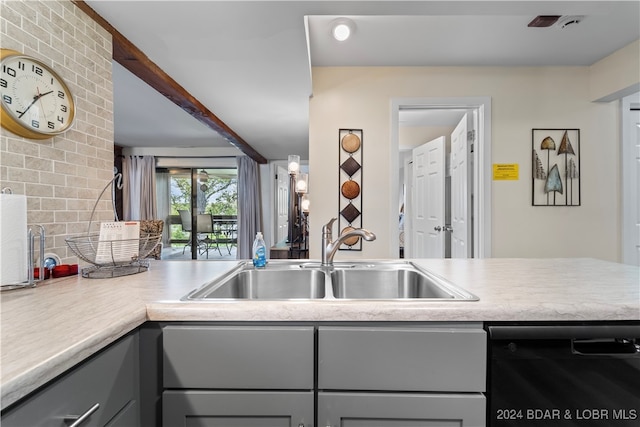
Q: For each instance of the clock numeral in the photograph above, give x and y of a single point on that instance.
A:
(7, 99)
(51, 125)
(21, 65)
(61, 119)
(63, 108)
(60, 94)
(35, 123)
(3, 83)
(10, 71)
(36, 69)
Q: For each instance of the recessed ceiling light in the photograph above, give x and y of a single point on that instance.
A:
(342, 29)
(341, 32)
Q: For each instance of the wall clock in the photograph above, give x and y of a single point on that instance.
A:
(36, 102)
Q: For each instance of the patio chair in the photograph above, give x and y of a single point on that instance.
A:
(205, 228)
(185, 220)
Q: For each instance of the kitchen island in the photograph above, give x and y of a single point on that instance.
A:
(53, 327)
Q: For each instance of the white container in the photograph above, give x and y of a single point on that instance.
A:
(14, 251)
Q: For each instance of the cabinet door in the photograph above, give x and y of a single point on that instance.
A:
(127, 417)
(193, 408)
(101, 386)
(401, 410)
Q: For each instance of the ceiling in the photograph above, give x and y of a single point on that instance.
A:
(249, 62)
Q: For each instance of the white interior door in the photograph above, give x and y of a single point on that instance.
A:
(428, 214)
(407, 230)
(635, 138)
(282, 204)
(631, 179)
(461, 243)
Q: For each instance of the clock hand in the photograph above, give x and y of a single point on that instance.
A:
(35, 99)
(40, 98)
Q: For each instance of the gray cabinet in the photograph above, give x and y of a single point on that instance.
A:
(355, 375)
(129, 416)
(238, 357)
(105, 387)
(401, 376)
(352, 409)
(405, 358)
(207, 408)
(238, 375)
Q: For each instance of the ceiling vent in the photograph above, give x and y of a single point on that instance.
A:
(543, 21)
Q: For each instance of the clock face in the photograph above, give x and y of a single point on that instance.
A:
(36, 102)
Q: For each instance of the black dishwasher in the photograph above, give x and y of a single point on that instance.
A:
(564, 375)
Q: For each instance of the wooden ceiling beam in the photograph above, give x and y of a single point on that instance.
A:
(134, 60)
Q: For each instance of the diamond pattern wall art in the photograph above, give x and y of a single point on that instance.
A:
(556, 167)
(350, 179)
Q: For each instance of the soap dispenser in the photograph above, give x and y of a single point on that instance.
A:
(259, 251)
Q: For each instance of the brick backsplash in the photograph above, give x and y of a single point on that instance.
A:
(63, 176)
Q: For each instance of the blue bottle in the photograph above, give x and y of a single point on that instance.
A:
(259, 251)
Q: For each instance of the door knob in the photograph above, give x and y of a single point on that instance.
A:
(448, 228)
(437, 228)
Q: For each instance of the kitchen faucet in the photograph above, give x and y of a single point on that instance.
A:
(329, 248)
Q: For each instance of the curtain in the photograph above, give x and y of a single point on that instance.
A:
(164, 205)
(249, 206)
(139, 188)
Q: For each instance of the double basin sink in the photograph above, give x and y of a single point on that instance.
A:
(283, 280)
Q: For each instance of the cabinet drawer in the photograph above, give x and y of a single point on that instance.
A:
(107, 379)
(238, 357)
(237, 408)
(401, 410)
(403, 358)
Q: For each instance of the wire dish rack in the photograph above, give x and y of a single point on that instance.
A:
(112, 258)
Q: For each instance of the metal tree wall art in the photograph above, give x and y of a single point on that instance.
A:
(557, 184)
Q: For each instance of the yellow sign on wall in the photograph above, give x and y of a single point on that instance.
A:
(505, 171)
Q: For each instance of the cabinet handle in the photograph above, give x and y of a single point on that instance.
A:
(79, 419)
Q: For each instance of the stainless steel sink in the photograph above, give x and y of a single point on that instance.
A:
(270, 283)
(282, 280)
(393, 281)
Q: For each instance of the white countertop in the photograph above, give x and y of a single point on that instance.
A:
(48, 329)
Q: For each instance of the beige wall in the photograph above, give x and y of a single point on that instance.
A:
(63, 176)
(616, 75)
(522, 98)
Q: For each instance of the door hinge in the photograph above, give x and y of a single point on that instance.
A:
(471, 135)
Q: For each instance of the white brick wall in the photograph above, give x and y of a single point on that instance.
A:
(63, 176)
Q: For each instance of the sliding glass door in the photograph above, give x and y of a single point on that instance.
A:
(208, 195)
